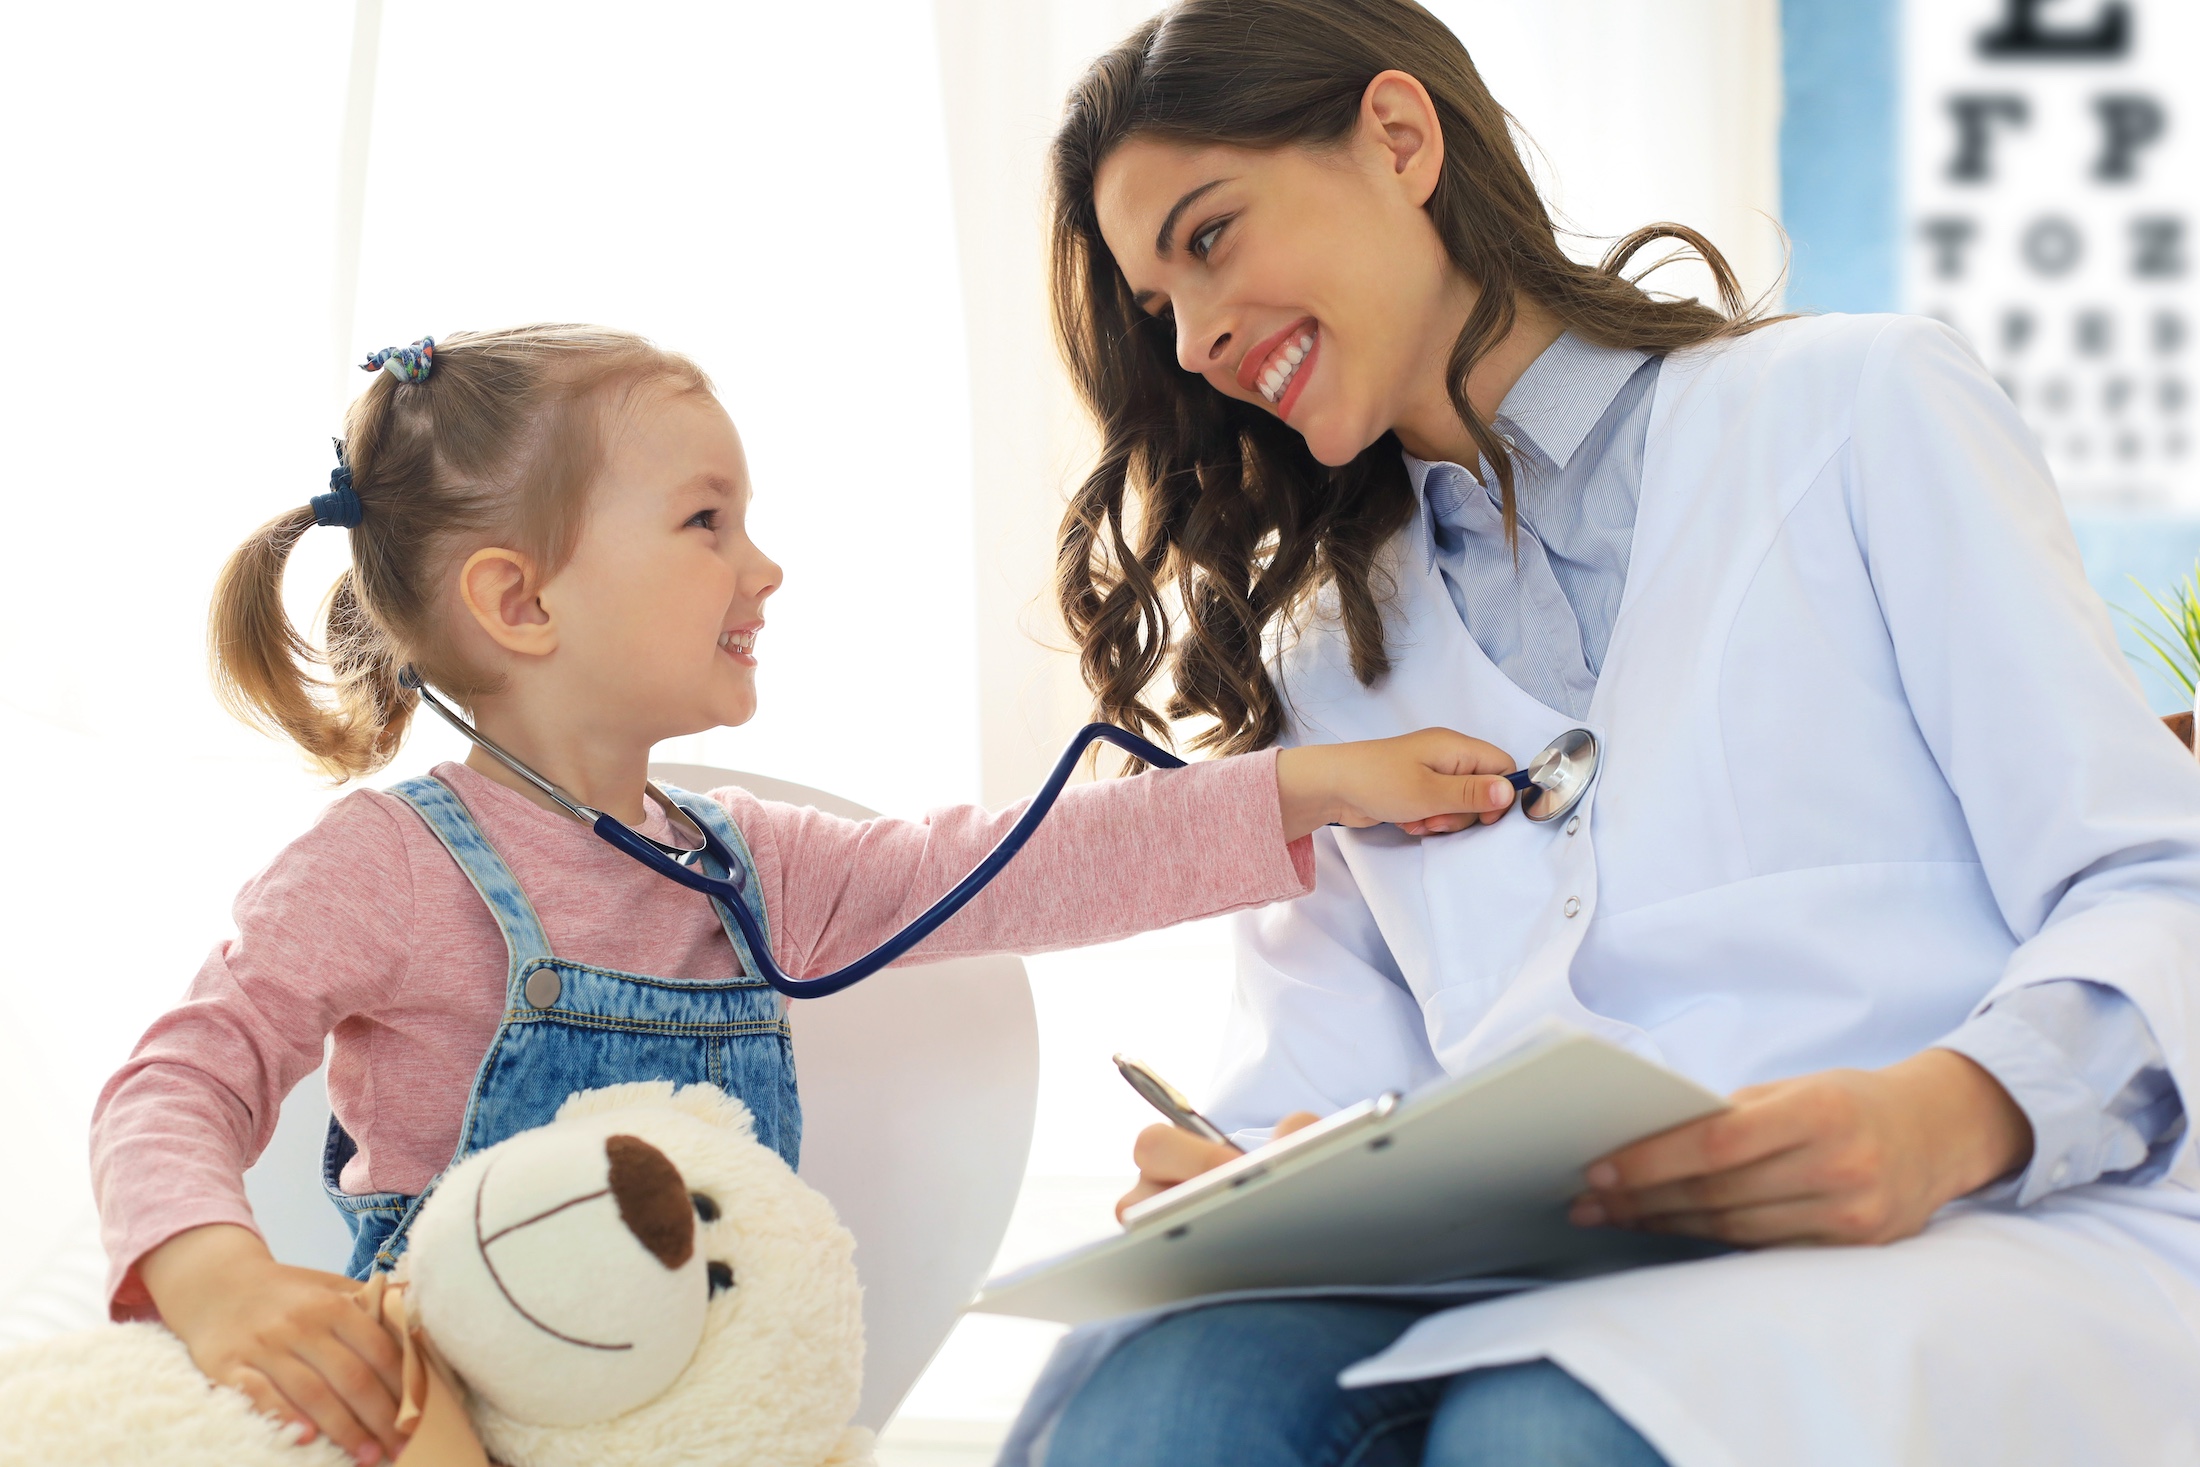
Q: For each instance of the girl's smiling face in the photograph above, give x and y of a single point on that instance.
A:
(1312, 284)
(659, 609)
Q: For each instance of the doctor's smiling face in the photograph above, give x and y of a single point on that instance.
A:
(1308, 281)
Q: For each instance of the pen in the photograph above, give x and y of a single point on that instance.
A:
(1164, 1097)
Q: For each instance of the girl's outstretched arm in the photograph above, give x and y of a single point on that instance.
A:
(1113, 858)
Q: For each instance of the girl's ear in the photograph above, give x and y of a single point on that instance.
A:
(501, 589)
(1397, 115)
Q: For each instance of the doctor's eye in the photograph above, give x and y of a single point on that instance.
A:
(721, 1277)
(1203, 243)
(706, 1208)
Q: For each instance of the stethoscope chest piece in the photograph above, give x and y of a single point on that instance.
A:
(1557, 778)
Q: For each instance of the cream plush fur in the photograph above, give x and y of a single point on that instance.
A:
(130, 1394)
(546, 1297)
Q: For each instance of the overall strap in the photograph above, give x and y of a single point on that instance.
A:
(453, 824)
(712, 816)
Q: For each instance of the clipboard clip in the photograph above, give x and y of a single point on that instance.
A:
(1285, 1154)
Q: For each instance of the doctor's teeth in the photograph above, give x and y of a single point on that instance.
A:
(1284, 367)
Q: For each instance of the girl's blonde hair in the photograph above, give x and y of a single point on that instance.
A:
(498, 444)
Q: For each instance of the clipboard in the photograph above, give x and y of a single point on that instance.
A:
(1468, 1177)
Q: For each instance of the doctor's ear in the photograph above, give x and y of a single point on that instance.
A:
(1398, 116)
(503, 590)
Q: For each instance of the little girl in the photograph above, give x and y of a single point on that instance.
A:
(547, 527)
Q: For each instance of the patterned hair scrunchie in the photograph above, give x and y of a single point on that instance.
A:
(340, 508)
(405, 363)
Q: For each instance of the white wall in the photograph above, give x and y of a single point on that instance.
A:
(1639, 112)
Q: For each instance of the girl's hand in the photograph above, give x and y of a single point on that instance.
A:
(1169, 1154)
(292, 1339)
(1425, 783)
(1843, 1156)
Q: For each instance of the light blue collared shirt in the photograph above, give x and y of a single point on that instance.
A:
(1577, 419)
(2077, 1057)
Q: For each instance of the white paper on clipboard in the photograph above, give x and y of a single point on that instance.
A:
(1468, 1177)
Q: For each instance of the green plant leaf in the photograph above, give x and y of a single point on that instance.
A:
(2177, 640)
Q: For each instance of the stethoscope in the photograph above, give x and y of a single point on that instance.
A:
(1552, 784)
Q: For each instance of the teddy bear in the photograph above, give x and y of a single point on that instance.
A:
(637, 1282)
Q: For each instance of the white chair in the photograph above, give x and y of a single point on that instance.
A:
(918, 1092)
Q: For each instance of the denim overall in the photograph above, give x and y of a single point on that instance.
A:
(569, 1027)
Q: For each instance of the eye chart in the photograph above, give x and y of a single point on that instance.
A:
(2051, 183)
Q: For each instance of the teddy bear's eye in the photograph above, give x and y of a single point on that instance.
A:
(721, 1277)
(706, 1208)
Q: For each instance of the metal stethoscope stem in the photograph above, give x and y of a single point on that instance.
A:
(1552, 784)
(1557, 778)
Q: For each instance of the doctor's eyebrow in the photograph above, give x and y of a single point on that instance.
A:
(1168, 225)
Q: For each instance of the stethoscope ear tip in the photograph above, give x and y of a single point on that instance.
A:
(408, 679)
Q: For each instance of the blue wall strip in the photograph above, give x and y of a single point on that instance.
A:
(1840, 188)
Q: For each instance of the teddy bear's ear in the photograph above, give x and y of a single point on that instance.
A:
(704, 1102)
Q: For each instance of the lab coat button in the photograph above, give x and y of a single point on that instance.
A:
(2060, 1174)
(543, 988)
(1573, 825)
(1573, 906)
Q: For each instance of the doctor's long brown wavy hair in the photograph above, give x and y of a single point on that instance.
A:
(1211, 502)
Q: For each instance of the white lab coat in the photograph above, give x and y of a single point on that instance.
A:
(1871, 756)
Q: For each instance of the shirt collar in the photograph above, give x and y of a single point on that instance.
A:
(1564, 392)
(1561, 396)
(1422, 473)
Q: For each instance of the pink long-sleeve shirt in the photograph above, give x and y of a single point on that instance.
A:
(365, 929)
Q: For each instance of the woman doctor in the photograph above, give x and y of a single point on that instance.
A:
(1885, 841)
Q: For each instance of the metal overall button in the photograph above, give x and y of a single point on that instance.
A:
(543, 988)
(1573, 907)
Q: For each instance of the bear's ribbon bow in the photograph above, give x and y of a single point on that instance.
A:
(438, 1431)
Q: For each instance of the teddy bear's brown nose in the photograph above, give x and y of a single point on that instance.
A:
(652, 1198)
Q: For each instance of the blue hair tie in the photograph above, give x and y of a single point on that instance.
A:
(340, 508)
(405, 363)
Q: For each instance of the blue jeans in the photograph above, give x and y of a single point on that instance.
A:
(1255, 1385)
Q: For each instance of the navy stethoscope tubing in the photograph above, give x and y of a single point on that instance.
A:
(653, 855)
(670, 861)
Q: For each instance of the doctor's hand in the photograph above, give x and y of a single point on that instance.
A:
(1843, 1156)
(293, 1340)
(1426, 783)
(1167, 1155)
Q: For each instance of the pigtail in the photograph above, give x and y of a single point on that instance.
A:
(264, 667)
(365, 663)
